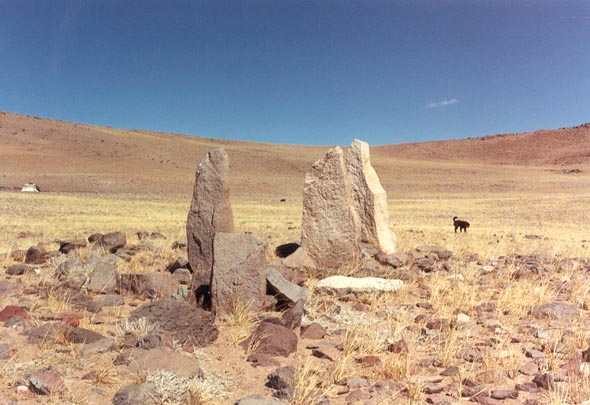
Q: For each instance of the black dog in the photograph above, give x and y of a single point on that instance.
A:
(461, 225)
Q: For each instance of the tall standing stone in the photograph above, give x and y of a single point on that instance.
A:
(210, 212)
(330, 227)
(369, 198)
(239, 272)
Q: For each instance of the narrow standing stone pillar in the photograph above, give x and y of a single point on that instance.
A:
(210, 212)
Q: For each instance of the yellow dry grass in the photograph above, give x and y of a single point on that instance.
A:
(498, 224)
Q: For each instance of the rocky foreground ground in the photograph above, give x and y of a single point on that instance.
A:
(107, 321)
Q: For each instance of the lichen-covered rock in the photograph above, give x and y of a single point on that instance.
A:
(331, 231)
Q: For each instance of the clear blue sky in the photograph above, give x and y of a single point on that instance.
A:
(310, 72)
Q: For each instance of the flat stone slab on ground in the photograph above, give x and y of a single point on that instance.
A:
(345, 285)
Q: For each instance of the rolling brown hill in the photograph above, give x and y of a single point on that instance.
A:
(564, 146)
(70, 157)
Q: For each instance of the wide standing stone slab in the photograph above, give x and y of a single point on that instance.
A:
(210, 212)
(239, 272)
(330, 227)
(369, 197)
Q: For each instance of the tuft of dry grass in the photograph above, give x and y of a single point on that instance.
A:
(241, 319)
(311, 385)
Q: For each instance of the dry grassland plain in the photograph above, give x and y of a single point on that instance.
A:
(502, 209)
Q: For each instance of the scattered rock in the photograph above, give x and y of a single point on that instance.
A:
(292, 317)
(545, 381)
(35, 255)
(399, 346)
(137, 394)
(504, 394)
(346, 285)
(18, 269)
(67, 246)
(441, 253)
(282, 378)
(46, 382)
(148, 284)
(109, 300)
(285, 291)
(262, 360)
(178, 245)
(556, 310)
(18, 255)
(103, 278)
(326, 351)
(527, 387)
(100, 346)
(148, 361)
(272, 339)
(186, 323)
(395, 260)
(530, 368)
(534, 354)
(112, 241)
(210, 212)
(238, 272)
(11, 311)
(257, 400)
(425, 264)
(95, 238)
(313, 331)
(357, 396)
(369, 361)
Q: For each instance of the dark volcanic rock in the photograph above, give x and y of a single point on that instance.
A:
(113, 241)
(286, 249)
(185, 322)
(69, 245)
(35, 255)
(18, 269)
